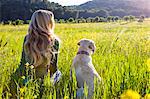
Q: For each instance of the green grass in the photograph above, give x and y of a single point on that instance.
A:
(119, 59)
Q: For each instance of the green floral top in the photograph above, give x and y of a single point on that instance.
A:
(41, 71)
(21, 76)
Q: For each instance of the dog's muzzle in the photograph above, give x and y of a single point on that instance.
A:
(83, 52)
(93, 51)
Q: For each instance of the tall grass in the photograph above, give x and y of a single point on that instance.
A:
(120, 57)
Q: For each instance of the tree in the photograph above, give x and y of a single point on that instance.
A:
(126, 18)
(131, 18)
(83, 20)
(102, 19)
(109, 18)
(96, 19)
(141, 19)
(61, 21)
(116, 18)
(71, 20)
(20, 9)
(89, 20)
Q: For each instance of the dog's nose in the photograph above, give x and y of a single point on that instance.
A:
(93, 50)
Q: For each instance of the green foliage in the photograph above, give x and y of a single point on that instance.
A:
(116, 18)
(19, 22)
(97, 19)
(71, 20)
(109, 18)
(131, 18)
(126, 18)
(82, 20)
(27, 22)
(89, 20)
(61, 21)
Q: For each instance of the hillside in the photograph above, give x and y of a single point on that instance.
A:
(119, 7)
(12, 9)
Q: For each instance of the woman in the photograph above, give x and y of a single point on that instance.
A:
(40, 47)
(40, 50)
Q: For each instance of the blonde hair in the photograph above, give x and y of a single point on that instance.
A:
(40, 38)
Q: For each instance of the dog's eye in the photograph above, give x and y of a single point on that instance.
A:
(90, 47)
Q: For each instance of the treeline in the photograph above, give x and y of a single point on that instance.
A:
(97, 19)
(16, 11)
(23, 9)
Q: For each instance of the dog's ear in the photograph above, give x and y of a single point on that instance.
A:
(78, 43)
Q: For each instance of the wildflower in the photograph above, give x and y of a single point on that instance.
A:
(148, 64)
(130, 94)
(147, 96)
(66, 97)
(21, 97)
(35, 96)
(23, 77)
(27, 64)
(9, 94)
(31, 66)
(22, 90)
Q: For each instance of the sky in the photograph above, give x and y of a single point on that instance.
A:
(69, 2)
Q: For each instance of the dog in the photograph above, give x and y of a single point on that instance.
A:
(84, 68)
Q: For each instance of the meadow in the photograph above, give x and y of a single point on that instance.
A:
(120, 59)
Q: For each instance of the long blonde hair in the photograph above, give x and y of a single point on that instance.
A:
(40, 38)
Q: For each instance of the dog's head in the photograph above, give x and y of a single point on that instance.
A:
(87, 44)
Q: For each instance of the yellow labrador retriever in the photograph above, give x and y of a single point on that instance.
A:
(84, 68)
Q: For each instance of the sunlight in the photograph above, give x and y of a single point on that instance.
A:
(69, 2)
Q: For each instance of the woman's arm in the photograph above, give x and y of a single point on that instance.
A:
(23, 61)
(54, 60)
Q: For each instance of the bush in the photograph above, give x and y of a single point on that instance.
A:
(102, 19)
(61, 21)
(116, 18)
(6, 22)
(83, 20)
(96, 19)
(71, 20)
(109, 18)
(131, 18)
(19, 22)
(89, 20)
(27, 21)
(126, 18)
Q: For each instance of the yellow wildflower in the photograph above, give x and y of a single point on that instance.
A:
(21, 97)
(130, 94)
(23, 77)
(148, 64)
(31, 66)
(147, 96)
(27, 64)
(22, 90)
(66, 97)
(35, 96)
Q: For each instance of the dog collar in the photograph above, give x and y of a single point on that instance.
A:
(83, 52)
